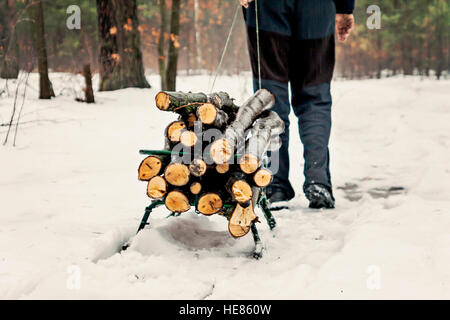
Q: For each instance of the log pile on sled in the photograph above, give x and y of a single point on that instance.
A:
(216, 153)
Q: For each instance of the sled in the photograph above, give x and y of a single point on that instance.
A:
(261, 202)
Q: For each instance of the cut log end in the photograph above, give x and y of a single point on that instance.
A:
(197, 167)
(263, 177)
(177, 174)
(209, 203)
(222, 168)
(195, 188)
(242, 191)
(221, 151)
(249, 163)
(188, 138)
(207, 113)
(241, 220)
(149, 167)
(174, 130)
(157, 187)
(162, 101)
(176, 201)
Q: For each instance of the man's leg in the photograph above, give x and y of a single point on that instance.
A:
(275, 40)
(311, 70)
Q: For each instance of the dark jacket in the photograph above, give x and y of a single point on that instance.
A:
(344, 6)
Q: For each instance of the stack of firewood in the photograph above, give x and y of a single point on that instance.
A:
(215, 158)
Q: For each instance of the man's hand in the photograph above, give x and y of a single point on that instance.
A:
(344, 24)
(245, 3)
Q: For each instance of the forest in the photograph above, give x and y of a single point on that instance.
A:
(123, 40)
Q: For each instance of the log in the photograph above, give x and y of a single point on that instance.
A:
(177, 201)
(239, 189)
(209, 114)
(195, 187)
(169, 100)
(150, 167)
(272, 120)
(249, 163)
(174, 130)
(198, 167)
(222, 168)
(222, 149)
(177, 174)
(262, 134)
(241, 220)
(188, 138)
(157, 187)
(263, 177)
(209, 203)
(223, 101)
(275, 143)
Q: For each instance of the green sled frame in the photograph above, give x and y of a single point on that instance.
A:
(262, 203)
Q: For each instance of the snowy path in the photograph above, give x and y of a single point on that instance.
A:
(69, 197)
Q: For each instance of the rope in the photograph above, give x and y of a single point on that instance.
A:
(257, 44)
(228, 42)
(226, 46)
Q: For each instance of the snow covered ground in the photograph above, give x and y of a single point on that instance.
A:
(69, 197)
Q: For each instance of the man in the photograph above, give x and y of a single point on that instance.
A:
(297, 46)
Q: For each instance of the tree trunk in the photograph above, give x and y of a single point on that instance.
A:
(198, 46)
(9, 46)
(45, 86)
(161, 44)
(121, 63)
(173, 46)
(88, 91)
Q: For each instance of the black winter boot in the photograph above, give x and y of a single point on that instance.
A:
(319, 196)
(278, 198)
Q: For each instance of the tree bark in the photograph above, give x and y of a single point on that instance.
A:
(88, 91)
(162, 44)
(222, 149)
(45, 86)
(9, 46)
(198, 47)
(121, 63)
(174, 45)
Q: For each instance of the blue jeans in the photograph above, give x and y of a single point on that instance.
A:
(297, 47)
